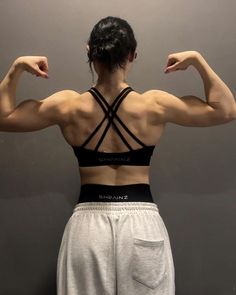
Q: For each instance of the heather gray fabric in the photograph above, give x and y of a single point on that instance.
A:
(115, 248)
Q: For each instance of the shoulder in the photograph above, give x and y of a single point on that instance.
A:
(67, 94)
(60, 97)
(157, 95)
(164, 100)
(166, 104)
(60, 103)
(156, 99)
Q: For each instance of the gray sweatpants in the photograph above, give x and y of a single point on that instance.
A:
(115, 248)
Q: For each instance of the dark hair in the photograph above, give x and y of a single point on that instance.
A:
(110, 42)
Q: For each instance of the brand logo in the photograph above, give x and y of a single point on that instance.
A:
(114, 197)
(114, 159)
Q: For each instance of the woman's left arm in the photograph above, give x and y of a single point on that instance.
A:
(30, 115)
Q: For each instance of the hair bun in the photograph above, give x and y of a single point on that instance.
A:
(110, 42)
(106, 48)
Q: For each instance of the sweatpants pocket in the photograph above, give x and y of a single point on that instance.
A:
(148, 262)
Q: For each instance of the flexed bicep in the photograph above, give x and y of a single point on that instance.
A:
(189, 110)
(32, 115)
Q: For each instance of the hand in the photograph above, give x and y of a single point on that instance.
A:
(36, 65)
(180, 60)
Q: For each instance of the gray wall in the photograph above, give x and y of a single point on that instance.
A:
(193, 169)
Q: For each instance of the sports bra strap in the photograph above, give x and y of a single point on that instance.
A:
(116, 116)
(106, 115)
(96, 94)
(111, 117)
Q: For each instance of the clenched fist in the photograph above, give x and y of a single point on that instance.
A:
(180, 60)
(36, 65)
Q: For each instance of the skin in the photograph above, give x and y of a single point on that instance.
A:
(145, 114)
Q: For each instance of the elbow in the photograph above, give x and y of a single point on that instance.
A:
(231, 115)
(224, 117)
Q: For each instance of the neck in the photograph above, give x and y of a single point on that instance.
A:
(111, 81)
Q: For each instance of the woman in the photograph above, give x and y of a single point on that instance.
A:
(115, 242)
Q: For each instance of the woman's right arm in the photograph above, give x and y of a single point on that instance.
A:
(190, 110)
(31, 114)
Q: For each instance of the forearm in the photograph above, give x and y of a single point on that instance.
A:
(8, 89)
(218, 95)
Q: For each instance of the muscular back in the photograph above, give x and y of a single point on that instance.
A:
(139, 112)
(145, 115)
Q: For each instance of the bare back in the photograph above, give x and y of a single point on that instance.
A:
(137, 111)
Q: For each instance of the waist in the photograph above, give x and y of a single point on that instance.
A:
(137, 192)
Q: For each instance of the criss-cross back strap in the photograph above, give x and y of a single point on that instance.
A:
(110, 112)
(116, 116)
(106, 114)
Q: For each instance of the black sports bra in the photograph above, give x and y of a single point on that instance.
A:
(89, 157)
